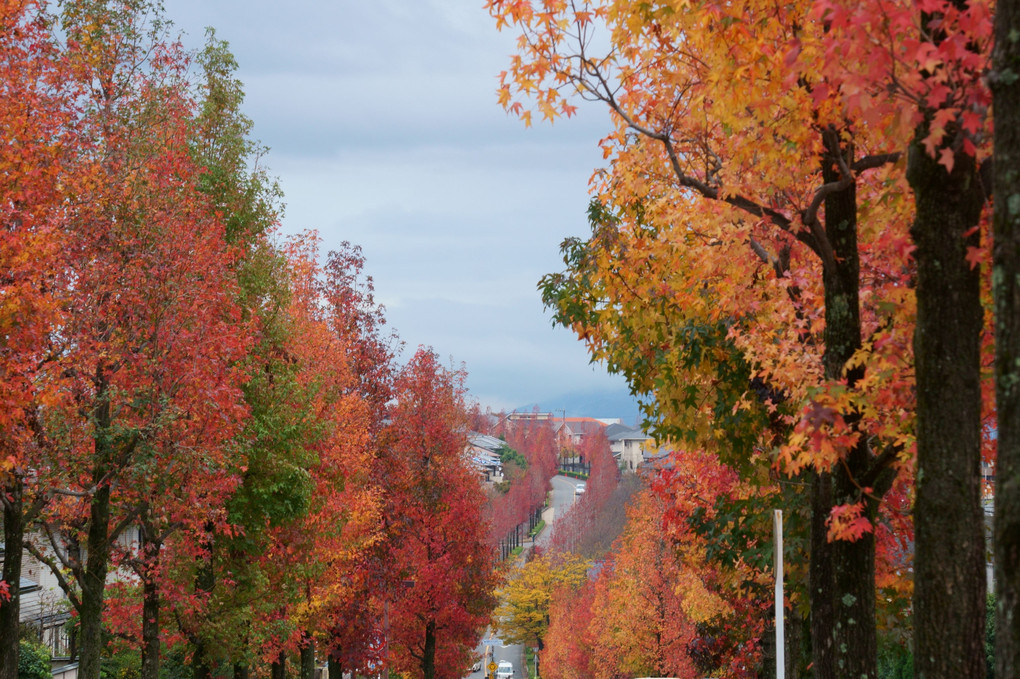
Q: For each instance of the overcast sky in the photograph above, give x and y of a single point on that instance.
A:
(384, 130)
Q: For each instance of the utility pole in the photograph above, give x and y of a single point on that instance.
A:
(777, 521)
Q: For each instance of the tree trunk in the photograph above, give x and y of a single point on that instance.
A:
(821, 580)
(205, 580)
(855, 638)
(199, 667)
(336, 670)
(949, 564)
(842, 574)
(241, 671)
(307, 657)
(428, 656)
(150, 623)
(278, 670)
(1006, 289)
(10, 610)
(93, 583)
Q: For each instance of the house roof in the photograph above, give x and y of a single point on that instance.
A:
(490, 443)
(660, 459)
(620, 432)
(482, 458)
(583, 426)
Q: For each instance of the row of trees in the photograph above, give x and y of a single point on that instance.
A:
(675, 588)
(581, 524)
(205, 433)
(793, 261)
(638, 615)
(526, 493)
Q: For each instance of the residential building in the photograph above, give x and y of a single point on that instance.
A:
(627, 444)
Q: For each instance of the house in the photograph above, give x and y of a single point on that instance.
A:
(483, 452)
(571, 431)
(45, 609)
(627, 445)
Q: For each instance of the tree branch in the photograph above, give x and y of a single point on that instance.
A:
(58, 573)
(872, 162)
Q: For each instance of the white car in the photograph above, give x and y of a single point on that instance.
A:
(505, 670)
(579, 489)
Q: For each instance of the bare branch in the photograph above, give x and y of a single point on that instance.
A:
(57, 571)
(760, 250)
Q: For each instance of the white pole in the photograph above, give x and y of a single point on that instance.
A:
(777, 524)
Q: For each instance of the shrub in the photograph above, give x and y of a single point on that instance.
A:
(33, 661)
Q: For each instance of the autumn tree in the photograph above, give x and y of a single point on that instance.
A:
(36, 115)
(930, 70)
(151, 331)
(523, 612)
(745, 169)
(273, 457)
(638, 618)
(360, 577)
(569, 646)
(444, 563)
(308, 450)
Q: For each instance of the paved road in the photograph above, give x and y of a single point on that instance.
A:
(514, 653)
(562, 498)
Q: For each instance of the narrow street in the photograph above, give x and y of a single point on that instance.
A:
(494, 653)
(562, 497)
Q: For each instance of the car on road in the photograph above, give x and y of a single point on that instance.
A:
(505, 670)
(580, 488)
(477, 666)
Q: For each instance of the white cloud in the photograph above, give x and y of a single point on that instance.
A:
(385, 131)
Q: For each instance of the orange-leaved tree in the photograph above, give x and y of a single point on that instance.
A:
(36, 114)
(642, 620)
(569, 644)
(760, 202)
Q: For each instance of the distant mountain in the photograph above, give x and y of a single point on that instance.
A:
(618, 403)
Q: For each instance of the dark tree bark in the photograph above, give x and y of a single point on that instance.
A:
(92, 579)
(949, 564)
(308, 657)
(428, 656)
(149, 548)
(821, 580)
(278, 670)
(199, 667)
(205, 581)
(842, 573)
(336, 668)
(1006, 289)
(10, 611)
(150, 630)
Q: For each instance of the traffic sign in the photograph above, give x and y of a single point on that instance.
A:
(491, 642)
(492, 667)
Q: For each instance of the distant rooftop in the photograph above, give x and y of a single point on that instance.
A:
(621, 432)
(490, 443)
